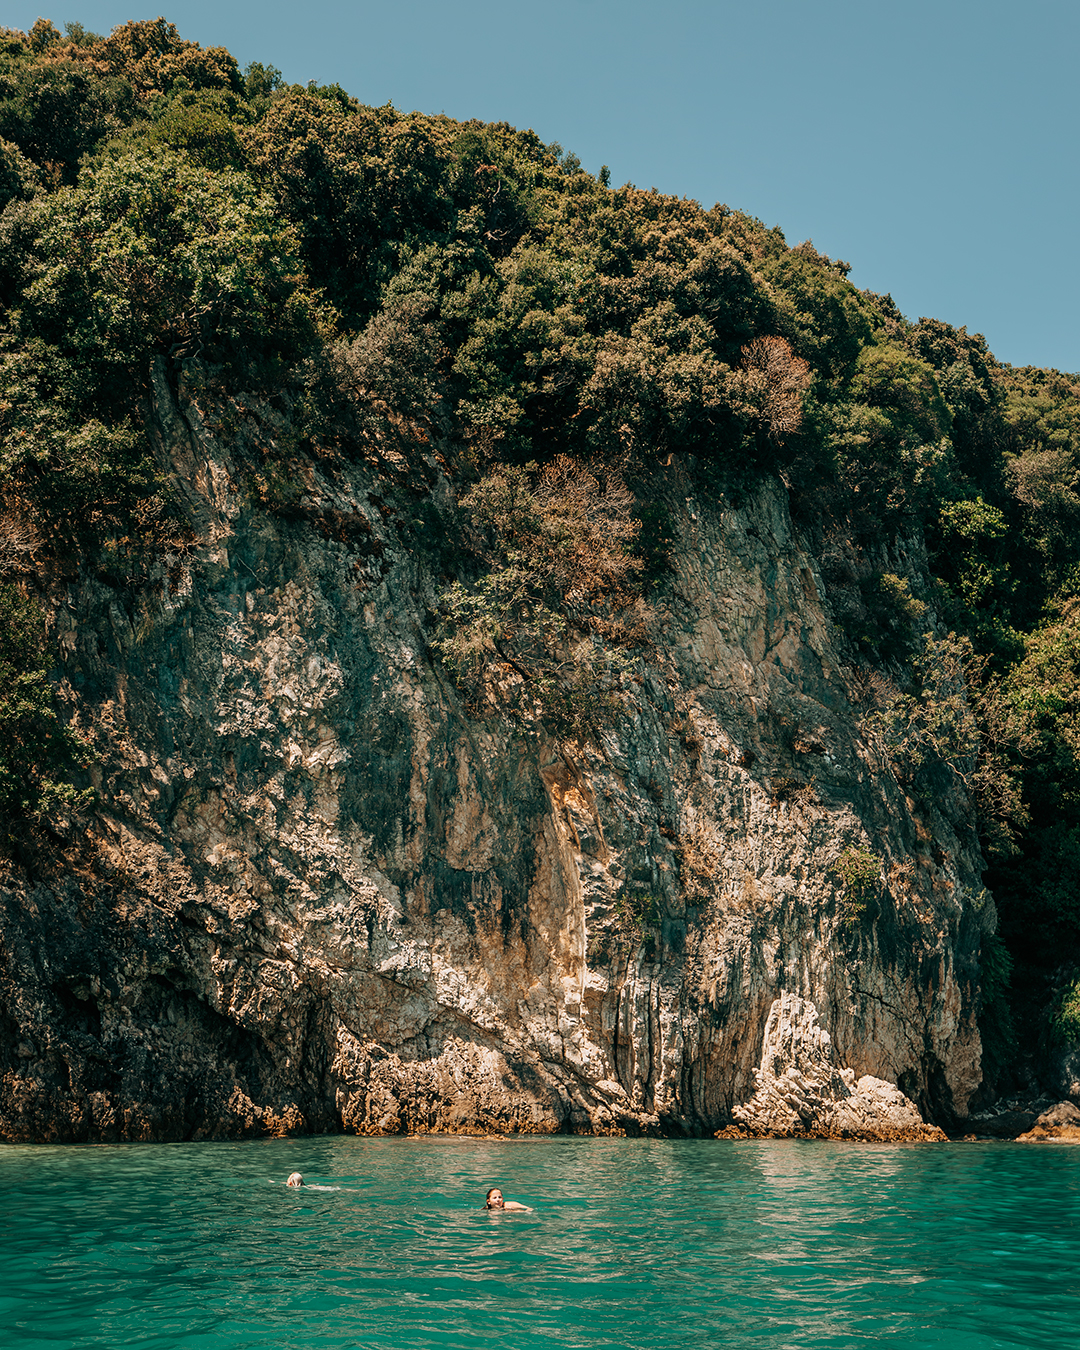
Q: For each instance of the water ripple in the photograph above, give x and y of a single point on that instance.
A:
(634, 1245)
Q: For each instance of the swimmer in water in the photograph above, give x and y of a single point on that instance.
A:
(495, 1201)
(295, 1179)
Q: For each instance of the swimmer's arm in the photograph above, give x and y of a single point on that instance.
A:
(513, 1204)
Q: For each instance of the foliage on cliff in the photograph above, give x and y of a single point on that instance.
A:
(543, 631)
(396, 272)
(38, 752)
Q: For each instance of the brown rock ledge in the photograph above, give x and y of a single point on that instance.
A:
(1061, 1122)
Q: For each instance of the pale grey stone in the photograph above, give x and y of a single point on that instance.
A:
(316, 894)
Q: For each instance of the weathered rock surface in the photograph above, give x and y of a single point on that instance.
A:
(803, 1091)
(1007, 1120)
(1065, 1073)
(315, 894)
(1060, 1122)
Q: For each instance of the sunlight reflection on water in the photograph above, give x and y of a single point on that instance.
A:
(638, 1244)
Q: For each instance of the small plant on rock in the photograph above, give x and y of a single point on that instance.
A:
(1067, 1022)
(859, 872)
(635, 919)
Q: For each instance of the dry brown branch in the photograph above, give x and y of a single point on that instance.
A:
(773, 381)
(20, 542)
(702, 864)
(589, 529)
(1045, 481)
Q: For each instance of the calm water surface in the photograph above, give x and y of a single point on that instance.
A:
(639, 1244)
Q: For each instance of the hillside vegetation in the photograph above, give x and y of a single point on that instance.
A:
(460, 298)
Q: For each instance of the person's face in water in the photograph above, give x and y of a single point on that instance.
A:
(495, 1199)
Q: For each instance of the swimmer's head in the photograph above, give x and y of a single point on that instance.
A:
(295, 1179)
(495, 1199)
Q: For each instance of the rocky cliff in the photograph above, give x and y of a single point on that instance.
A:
(315, 894)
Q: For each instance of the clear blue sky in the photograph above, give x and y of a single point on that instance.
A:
(930, 143)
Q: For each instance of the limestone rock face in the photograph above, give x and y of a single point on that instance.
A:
(803, 1091)
(1059, 1122)
(316, 894)
(1066, 1073)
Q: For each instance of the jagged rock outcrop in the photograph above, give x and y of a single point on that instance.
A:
(316, 894)
(803, 1092)
(1059, 1122)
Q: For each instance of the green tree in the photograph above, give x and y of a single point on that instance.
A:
(153, 255)
(356, 183)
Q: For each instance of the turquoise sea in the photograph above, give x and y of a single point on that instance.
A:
(639, 1244)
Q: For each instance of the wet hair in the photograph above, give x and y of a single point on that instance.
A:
(295, 1179)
